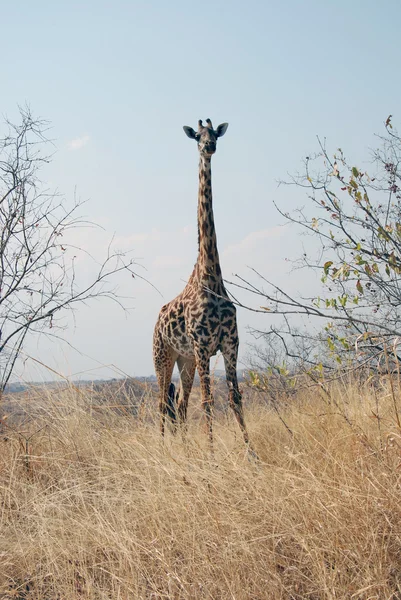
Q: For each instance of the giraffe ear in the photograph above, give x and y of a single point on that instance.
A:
(221, 129)
(190, 132)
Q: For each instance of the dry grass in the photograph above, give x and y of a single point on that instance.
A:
(94, 506)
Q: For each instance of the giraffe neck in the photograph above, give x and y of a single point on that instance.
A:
(208, 264)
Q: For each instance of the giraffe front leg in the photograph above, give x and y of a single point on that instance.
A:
(230, 355)
(203, 366)
(186, 367)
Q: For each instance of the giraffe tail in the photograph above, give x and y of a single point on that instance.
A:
(171, 405)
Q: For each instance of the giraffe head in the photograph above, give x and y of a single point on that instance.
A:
(206, 136)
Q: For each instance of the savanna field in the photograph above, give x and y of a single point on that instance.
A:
(94, 506)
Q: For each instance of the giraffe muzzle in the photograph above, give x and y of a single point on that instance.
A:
(210, 148)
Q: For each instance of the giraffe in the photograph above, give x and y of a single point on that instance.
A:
(202, 319)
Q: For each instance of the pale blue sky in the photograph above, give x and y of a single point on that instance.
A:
(122, 78)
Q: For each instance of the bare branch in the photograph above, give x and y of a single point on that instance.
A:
(38, 280)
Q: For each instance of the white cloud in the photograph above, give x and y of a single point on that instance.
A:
(187, 230)
(78, 143)
(141, 238)
(161, 250)
(254, 240)
(168, 261)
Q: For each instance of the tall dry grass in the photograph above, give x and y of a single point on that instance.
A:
(93, 505)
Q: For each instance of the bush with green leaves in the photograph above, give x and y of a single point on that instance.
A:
(354, 216)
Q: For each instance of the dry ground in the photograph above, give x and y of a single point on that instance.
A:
(93, 506)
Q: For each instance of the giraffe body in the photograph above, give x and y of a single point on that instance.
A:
(201, 320)
(197, 318)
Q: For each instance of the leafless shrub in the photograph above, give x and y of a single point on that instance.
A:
(38, 277)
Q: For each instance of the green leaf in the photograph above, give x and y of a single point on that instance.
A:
(355, 172)
(327, 266)
(359, 286)
(330, 344)
(254, 377)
